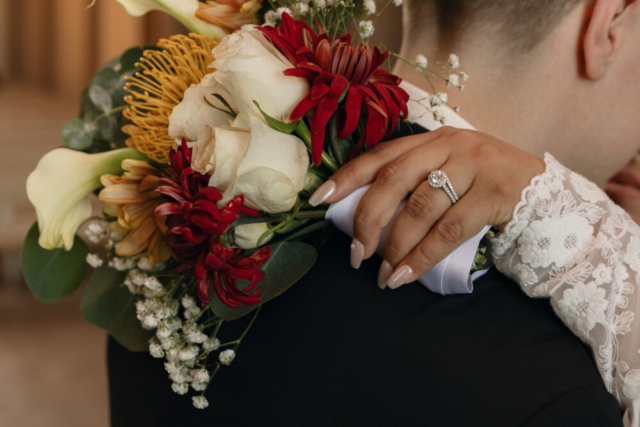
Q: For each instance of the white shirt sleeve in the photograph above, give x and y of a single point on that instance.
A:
(570, 243)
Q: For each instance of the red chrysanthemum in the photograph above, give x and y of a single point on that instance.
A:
(195, 224)
(334, 67)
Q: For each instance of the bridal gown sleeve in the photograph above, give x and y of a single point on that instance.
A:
(570, 243)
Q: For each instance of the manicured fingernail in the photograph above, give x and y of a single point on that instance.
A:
(400, 277)
(383, 275)
(323, 193)
(357, 253)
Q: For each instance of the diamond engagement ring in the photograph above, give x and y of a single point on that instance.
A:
(439, 179)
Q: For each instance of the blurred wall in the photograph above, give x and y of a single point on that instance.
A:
(59, 44)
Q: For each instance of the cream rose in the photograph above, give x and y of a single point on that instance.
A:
(246, 236)
(218, 152)
(251, 69)
(268, 167)
(193, 114)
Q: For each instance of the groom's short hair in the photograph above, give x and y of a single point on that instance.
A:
(522, 23)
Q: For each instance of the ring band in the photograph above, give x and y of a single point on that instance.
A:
(439, 179)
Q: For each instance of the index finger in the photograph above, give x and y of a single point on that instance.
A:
(363, 169)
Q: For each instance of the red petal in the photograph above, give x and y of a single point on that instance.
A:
(303, 108)
(168, 209)
(352, 108)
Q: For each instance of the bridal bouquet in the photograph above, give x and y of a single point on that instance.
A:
(203, 151)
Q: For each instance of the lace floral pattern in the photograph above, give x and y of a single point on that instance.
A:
(570, 243)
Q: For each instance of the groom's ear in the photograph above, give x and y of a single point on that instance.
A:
(607, 24)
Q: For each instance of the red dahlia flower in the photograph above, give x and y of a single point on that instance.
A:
(195, 224)
(334, 67)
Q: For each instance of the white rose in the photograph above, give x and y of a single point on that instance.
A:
(218, 153)
(268, 167)
(246, 236)
(251, 69)
(192, 115)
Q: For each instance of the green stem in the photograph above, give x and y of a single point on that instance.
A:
(110, 112)
(315, 214)
(303, 133)
(239, 340)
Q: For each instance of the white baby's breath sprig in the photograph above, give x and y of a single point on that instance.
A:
(94, 260)
(366, 29)
(200, 402)
(421, 62)
(227, 356)
(369, 7)
(454, 61)
(96, 231)
(453, 81)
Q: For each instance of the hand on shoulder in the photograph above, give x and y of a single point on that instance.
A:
(486, 173)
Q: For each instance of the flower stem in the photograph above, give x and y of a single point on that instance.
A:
(315, 214)
(239, 340)
(303, 133)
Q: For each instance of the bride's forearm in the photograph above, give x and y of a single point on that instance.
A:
(569, 242)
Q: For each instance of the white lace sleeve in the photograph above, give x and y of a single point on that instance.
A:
(569, 242)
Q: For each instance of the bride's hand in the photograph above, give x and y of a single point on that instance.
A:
(488, 175)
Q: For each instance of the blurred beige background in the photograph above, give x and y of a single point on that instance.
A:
(52, 363)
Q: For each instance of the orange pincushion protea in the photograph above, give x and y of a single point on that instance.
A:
(132, 199)
(160, 86)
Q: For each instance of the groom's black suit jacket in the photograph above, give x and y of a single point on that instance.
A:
(335, 350)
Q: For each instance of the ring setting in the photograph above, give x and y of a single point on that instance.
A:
(439, 179)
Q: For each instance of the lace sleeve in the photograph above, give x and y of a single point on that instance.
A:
(569, 242)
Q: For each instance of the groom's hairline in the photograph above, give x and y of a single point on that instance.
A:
(522, 23)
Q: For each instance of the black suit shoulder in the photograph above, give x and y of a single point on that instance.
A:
(335, 350)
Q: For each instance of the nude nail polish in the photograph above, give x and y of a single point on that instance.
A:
(400, 277)
(357, 253)
(323, 193)
(383, 275)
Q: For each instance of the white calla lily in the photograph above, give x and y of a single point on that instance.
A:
(183, 10)
(59, 190)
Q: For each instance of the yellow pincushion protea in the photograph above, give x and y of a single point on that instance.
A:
(132, 199)
(160, 86)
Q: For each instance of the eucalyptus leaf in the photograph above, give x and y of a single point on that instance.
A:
(130, 57)
(107, 78)
(77, 135)
(85, 103)
(109, 305)
(289, 261)
(100, 98)
(108, 128)
(53, 274)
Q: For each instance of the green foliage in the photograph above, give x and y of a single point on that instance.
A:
(109, 305)
(99, 126)
(53, 274)
(277, 124)
(78, 135)
(289, 261)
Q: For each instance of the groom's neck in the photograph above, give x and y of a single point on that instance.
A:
(521, 100)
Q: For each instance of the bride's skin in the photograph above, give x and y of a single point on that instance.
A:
(573, 96)
(624, 188)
